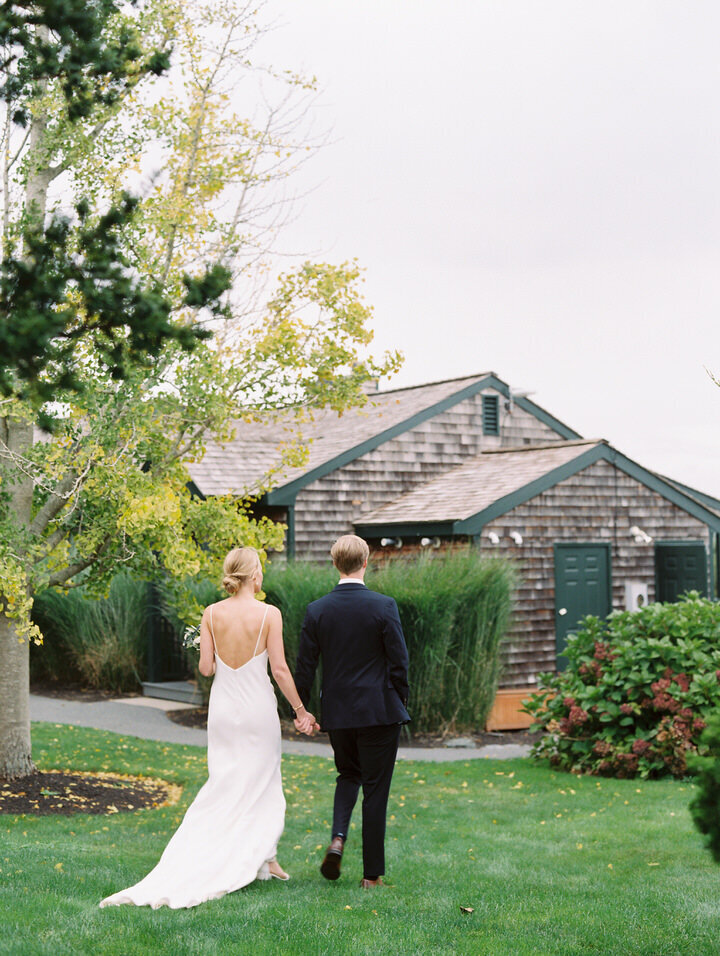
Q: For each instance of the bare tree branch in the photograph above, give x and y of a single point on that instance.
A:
(55, 503)
(196, 137)
(52, 541)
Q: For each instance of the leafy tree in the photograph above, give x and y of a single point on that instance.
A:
(68, 43)
(108, 487)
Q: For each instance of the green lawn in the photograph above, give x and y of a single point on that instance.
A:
(550, 864)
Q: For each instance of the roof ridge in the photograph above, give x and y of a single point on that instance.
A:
(442, 381)
(551, 444)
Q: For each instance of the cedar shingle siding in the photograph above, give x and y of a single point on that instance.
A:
(421, 458)
(599, 504)
(331, 505)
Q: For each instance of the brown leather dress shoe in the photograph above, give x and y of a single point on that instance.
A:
(369, 884)
(330, 866)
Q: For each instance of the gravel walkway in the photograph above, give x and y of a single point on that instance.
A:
(147, 718)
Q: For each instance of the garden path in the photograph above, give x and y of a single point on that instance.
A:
(147, 718)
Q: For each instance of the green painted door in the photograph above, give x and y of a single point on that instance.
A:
(680, 567)
(582, 586)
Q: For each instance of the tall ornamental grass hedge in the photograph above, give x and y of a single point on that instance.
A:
(637, 692)
(454, 612)
(98, 642)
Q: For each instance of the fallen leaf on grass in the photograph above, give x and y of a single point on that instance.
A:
(467, 909)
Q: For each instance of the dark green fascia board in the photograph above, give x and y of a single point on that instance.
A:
(285, 494)
(410, 529)
(194, 490)
(475, 523)
(669, 491)
(694, 493)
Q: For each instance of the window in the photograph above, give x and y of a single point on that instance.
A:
(491, 415)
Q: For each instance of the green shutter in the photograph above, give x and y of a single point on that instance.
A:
(491, 415)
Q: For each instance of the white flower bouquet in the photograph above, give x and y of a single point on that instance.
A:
(191, 638)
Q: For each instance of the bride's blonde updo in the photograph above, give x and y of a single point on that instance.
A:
(238, 567)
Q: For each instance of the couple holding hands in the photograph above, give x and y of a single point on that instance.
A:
(230, 832)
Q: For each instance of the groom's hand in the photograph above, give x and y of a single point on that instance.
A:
(305, 723)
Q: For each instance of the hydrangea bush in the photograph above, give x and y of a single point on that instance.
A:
(636, 693)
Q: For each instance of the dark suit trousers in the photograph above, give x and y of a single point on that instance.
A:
(365, 757)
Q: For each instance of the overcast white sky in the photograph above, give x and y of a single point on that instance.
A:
(532, 188)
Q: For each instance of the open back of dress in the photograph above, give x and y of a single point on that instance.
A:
(231, 830)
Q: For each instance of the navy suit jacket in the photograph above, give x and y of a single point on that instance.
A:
(358, 635)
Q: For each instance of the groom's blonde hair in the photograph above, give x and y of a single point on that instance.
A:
(349, 553)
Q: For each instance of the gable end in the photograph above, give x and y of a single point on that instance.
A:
(286, 494)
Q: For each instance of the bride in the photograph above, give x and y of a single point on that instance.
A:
(230, 832)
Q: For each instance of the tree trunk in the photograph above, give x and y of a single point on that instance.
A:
(15, 754)
(15, 748)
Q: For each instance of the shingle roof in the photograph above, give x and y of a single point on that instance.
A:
(241, 465)
(472, 487)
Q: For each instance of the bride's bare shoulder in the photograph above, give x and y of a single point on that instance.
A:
(216, 606)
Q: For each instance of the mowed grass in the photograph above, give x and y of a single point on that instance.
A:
(549, 863)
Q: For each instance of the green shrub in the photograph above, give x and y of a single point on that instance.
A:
(52, 660)
(180, 603)
(99, 642)
(454, 612)
(705, 808)
(291, 587)
(636, 693)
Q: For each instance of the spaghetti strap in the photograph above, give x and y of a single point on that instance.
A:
(262, 625)
(212, 632)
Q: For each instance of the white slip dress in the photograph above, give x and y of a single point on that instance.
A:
(230, 831)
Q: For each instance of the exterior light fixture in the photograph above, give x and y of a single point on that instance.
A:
(493, 538)
(640, 536)
(429, 542)
(517, 537)
(391, 542)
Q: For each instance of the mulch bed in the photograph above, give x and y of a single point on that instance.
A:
(66, 792)
(75, 692)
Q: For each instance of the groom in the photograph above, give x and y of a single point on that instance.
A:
(357, 634)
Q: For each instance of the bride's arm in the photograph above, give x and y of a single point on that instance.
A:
(305, 721)
(207, 651)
